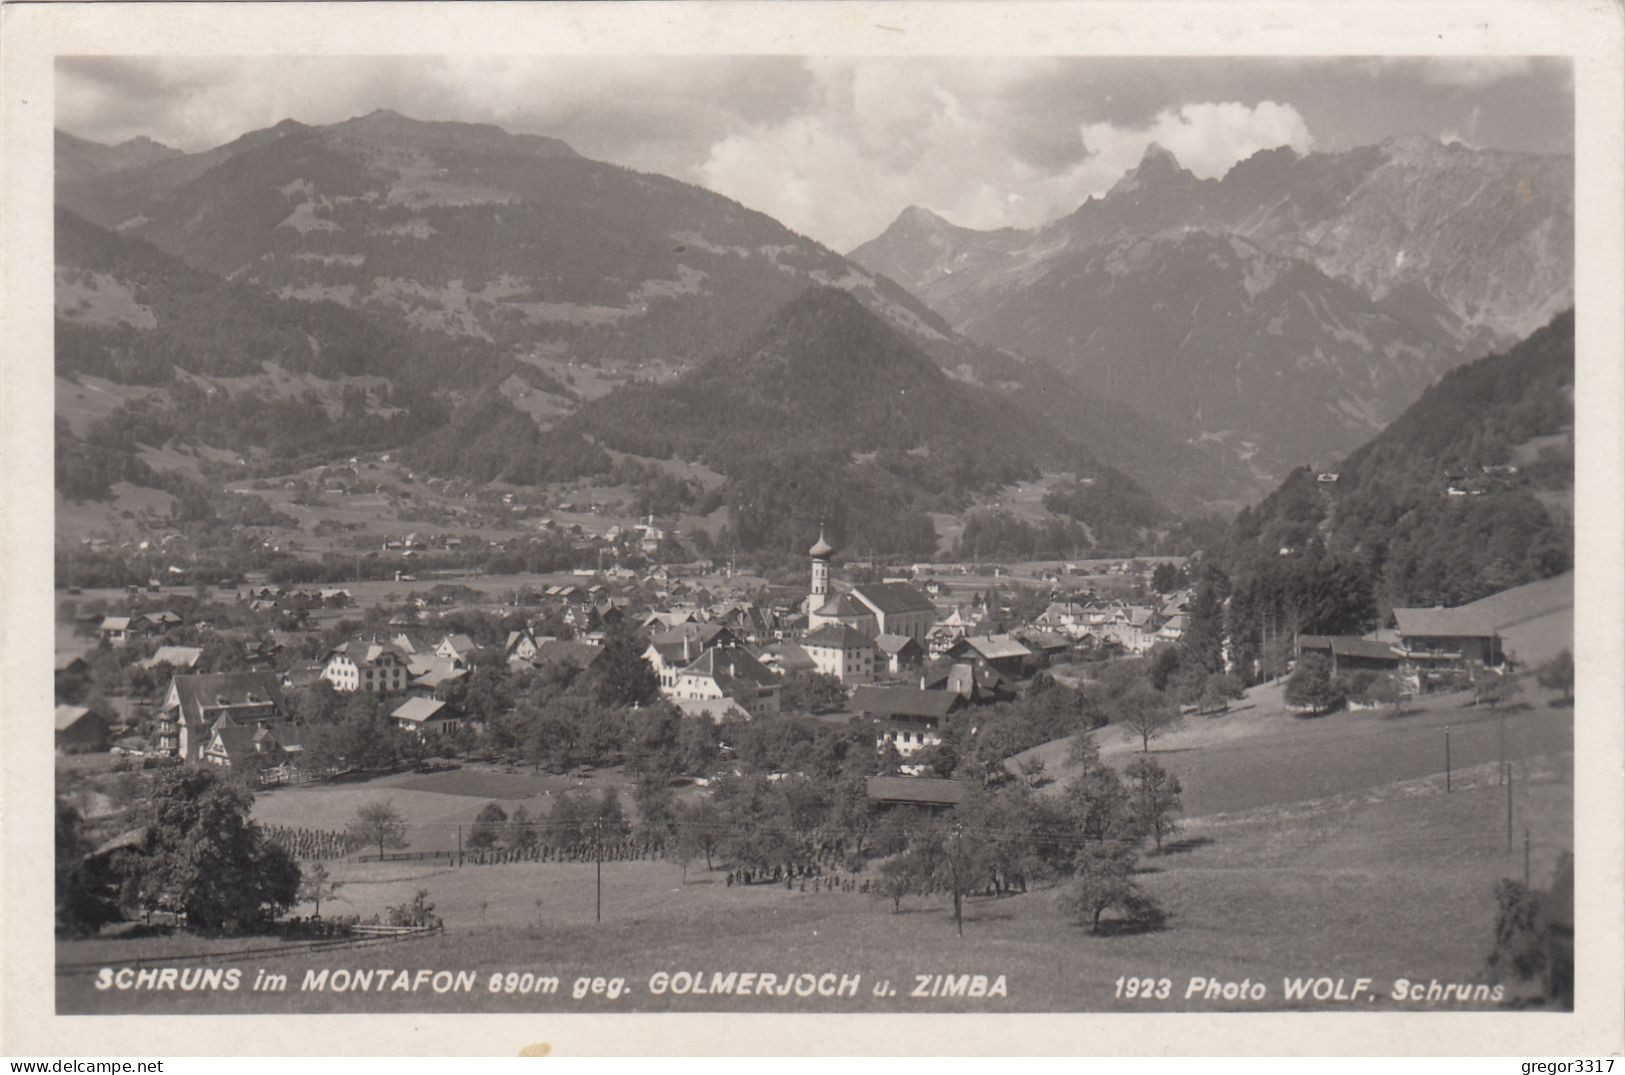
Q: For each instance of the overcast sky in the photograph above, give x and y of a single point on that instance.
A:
(837, 147)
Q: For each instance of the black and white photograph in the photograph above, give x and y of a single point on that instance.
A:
(815, 532)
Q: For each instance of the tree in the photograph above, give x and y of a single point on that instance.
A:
(1377, 689)
(1558, 674)
(1105, 880)
(521, 831)
(1146, 712)
(620, 676)
(317, 885)
(488, 826)
(1155, 794)
(1534, 933)
(701, 824)
(207, 857)
(900, 877)
(1493, 690)
(379, 823)
(1312, 685)
(1099, 805)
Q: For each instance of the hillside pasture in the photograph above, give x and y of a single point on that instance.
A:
(1394, 882)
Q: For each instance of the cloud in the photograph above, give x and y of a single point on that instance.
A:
(1208, 137)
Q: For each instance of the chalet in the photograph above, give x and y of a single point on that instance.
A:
(520, 648)
(671, 649)
(554, 653)
(727, 672)
(1046, 643)
(1348, 654)
(458, 648)
(841, 651)
(196, 702)
(1004, 654)
(159, 622)
(907, 718)
(116, 630)
(174, 656)
(78, 729)
(233, 745)
(916, 792)
(1434, 636)
(787, 658)
(899, 653)
(369, 666)
(426, 717)
(976, 684)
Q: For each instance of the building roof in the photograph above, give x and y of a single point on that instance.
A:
(69, 715)
(923, 790)
(731, 666)
(197, 693)
(894, 598)
(821, 548)
(894, 644)
(839, 605)
(837, 636)
(115, 623)
(460, 642)
(556, 652)
(418, 710)
(997, 647)
(178, 656)
(1463, 622)
(362, 652)
(903, 702)
(790, 656)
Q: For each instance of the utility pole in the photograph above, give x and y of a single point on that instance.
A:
(1447, 759)
(598, 853)
(1506, 778)
(459, 844)
(1525, 858)
(959, 919)
(1502, 721)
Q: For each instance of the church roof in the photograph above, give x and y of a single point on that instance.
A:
(843, 605)
(821, 548)
(894, 598)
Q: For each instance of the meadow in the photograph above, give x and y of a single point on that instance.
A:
(1329, 848)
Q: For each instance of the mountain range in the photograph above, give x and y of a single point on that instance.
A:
(1195, 337)
(1283, 313)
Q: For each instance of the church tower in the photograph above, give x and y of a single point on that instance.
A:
(820, 552)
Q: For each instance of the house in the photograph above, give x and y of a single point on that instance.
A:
(1434, 636)
(1348, 654)
(370, 666)
(978, 685)
(1045, 643)
(196, 702)
(730, 672)
(78, 729)
(671, 649)
(174, 656)
(520, 648)
(233, 745)
(1004, 654)
(459, 648)
(553, 653)
(116, 630)
(899, 653)
(929, 794)
(426, 717)
(159, 622)
(841, 651)
(906, 717)
(786, 658)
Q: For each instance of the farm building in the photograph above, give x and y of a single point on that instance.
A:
(79, 729)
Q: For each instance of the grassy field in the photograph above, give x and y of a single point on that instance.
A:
(1391, 882)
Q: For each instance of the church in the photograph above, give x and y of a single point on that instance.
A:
(873, 609)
